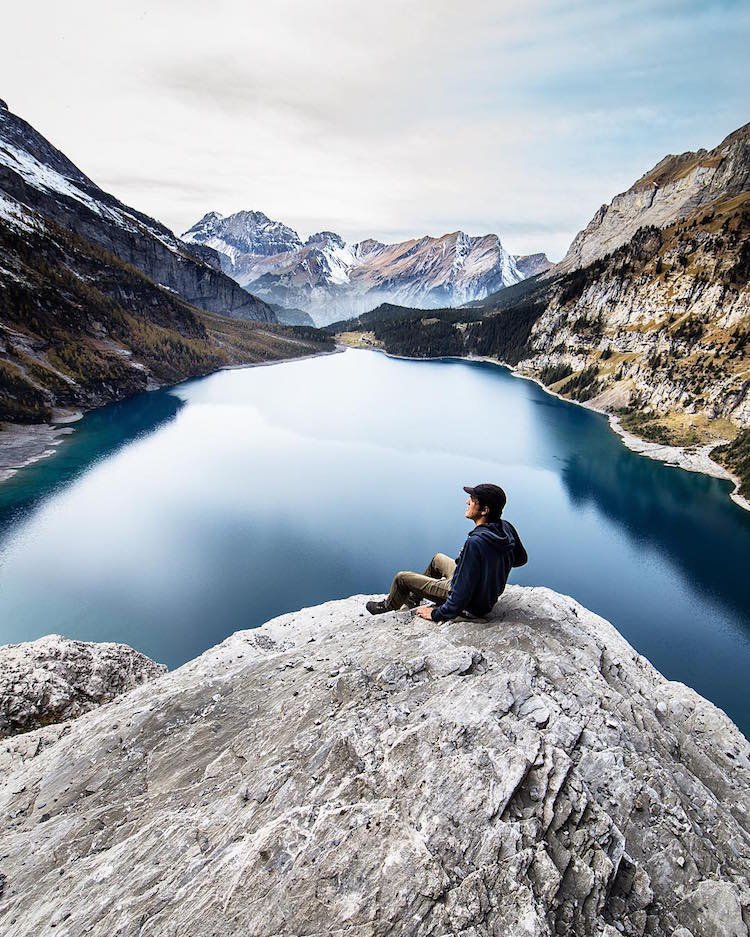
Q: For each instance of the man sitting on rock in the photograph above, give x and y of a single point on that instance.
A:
(473, 582)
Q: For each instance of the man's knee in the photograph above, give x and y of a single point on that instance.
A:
(443, 565)
(436, 564)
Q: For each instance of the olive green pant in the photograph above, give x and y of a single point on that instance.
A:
(435, 583)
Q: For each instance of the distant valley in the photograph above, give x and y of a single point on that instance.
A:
(647, 316)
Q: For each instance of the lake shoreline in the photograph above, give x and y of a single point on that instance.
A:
(699, 461)
(23, 444)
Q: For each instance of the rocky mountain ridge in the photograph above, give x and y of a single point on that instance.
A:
(664, 319)
(674, 189)
(528, 774)
(96, 300)
(530, 265)
(331, 279)
(39, 180)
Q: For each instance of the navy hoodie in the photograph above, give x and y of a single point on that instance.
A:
(482, 569)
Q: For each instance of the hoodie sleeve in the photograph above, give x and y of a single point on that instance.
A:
(462, 583)
(520, 556)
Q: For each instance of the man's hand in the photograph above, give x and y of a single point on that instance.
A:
(425, 611)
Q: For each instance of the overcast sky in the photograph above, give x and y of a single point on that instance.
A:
(386, 119)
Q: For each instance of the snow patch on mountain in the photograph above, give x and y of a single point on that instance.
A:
(340, 262)
(332, 279)
(13, 213)
(44, 177)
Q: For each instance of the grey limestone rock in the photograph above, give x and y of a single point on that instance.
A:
(332, 773)
(532, 264)
(54, 679)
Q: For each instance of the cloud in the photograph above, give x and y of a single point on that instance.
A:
(392, 119)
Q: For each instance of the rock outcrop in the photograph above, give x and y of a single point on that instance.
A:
(532, 264)
(662, 324)
(55, 679)
(333, 773)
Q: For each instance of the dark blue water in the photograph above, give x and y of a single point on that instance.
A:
(173, 519)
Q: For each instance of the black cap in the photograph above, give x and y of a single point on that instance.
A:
(491, 496)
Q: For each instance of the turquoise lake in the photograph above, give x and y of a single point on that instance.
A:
(172, 519)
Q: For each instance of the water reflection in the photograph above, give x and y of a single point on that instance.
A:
(685, 516)
(102, 434)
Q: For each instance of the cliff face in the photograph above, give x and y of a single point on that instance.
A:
(649, 315)
(662, 324)
(331, 773)
(652, 311)
(675, 188)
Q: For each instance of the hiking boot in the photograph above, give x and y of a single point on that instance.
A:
(377, 608)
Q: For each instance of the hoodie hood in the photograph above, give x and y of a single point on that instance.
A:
(497, 535)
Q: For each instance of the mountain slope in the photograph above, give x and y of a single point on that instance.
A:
(40, 178)
(529, 265)
(287, 316)
(331, 279)
(80, 328)
(93, 294)
(674, 189)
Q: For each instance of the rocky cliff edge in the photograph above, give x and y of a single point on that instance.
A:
(54, 679)
(333, 773)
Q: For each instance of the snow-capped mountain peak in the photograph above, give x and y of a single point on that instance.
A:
(244, 232)
(324, 238)
(332, 279)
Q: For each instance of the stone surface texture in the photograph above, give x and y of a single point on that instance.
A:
(336, 774)
(532, 264)
(54, 679)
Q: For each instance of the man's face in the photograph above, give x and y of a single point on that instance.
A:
(473, 509)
